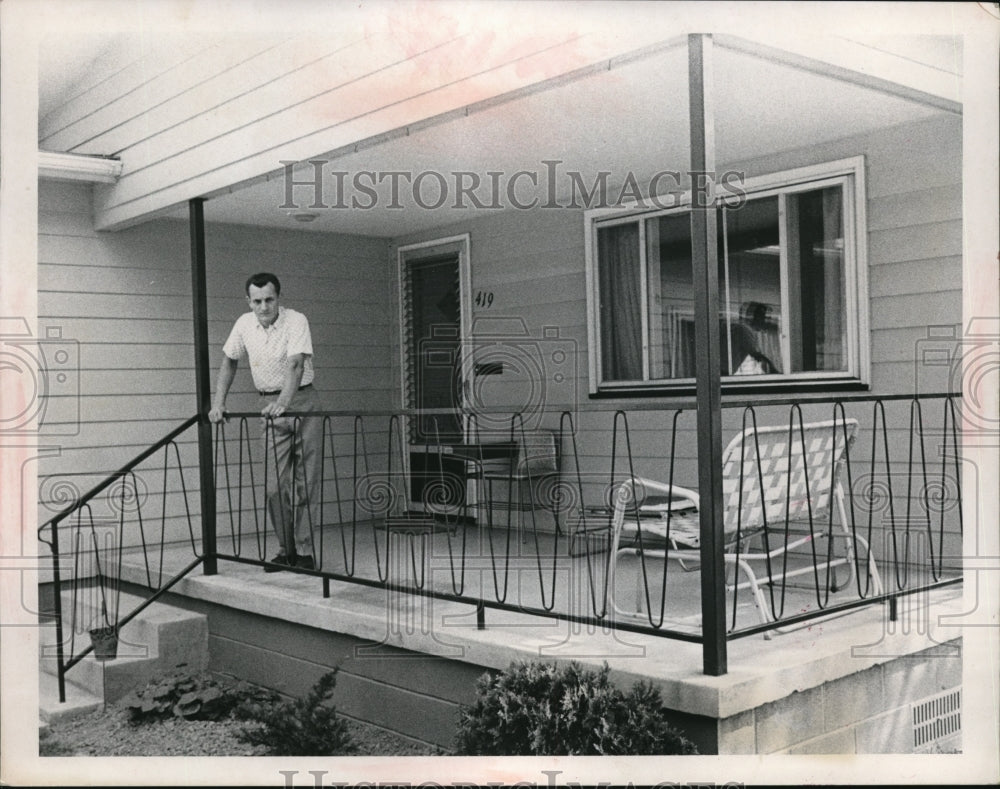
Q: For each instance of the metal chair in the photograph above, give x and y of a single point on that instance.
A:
(526, 479)
(778, 485)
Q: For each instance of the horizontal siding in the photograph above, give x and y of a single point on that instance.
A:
(109, 355)
(917, 310)
(133, 250)
(71, 277)
(57, 490)
(916, 242)
(913, 157)
(118, 74)
(122, 304)
(181, 90)
(93, 464)
(907, 344)
(894, 211)
(912, 276)
(99, 382)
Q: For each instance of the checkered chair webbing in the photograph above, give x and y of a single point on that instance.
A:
(788, 474)
(772, 476)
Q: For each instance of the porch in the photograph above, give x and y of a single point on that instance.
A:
(481, 583)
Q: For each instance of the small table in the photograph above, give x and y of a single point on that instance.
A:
(449, 463)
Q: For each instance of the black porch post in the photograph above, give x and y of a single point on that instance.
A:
(203, 384)
(704, 261)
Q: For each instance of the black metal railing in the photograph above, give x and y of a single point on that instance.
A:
(875, 533)
(890, 528)
(122, 523)
(562, 532)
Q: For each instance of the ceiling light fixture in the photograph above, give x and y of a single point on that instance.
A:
(303, 216)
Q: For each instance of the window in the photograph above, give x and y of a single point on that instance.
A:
(791, 286)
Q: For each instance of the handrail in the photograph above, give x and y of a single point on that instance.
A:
(658, 402)
(100, 486)
(81, 504)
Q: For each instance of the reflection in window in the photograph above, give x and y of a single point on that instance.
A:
(784, 308)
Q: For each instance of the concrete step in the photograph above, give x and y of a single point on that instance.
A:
(157, 640)
(79, 701)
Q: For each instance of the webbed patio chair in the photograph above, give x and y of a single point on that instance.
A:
(777, 499)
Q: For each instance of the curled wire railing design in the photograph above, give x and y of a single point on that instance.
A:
(99, 541)
(380, 488)
(481, 523)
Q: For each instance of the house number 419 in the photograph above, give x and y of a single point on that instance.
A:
(484, 298)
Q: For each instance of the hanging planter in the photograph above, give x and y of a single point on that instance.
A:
(105, 642)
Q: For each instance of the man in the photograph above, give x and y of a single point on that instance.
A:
(277, 342)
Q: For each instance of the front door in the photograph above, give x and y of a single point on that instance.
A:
(433, 285)
(434, 347)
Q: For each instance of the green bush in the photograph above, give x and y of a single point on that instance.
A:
(301, 727)
(192, 696)
(541, 709)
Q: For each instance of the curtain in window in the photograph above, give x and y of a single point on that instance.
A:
(832, 341)
(621, 305)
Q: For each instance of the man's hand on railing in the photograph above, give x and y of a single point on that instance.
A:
(273, 409)
(217, 415)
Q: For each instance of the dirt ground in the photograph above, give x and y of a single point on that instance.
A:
(109, 733)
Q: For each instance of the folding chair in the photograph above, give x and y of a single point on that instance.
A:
(768, 483)
(525, 481)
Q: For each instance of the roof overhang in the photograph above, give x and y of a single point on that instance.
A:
(598, 86)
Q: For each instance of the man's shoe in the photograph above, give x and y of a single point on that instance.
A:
(305, 563)
(280, 559)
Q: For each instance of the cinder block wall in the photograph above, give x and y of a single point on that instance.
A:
(867, 712)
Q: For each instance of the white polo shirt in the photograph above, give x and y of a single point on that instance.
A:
(268, 349)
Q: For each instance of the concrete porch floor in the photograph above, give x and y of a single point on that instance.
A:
(530, 569)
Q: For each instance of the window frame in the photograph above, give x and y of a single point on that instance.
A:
(850, 172)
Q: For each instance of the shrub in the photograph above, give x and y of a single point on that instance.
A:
(301, 727)
(198, 696)
(542, 709)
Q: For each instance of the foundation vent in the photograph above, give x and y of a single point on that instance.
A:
(936, 719)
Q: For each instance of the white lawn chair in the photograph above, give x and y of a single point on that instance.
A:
(790, 497)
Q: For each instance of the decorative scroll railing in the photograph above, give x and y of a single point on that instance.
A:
(542, 516)
(119, 511)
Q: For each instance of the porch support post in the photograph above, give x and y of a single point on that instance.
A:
(203, 385)
(704, 262)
